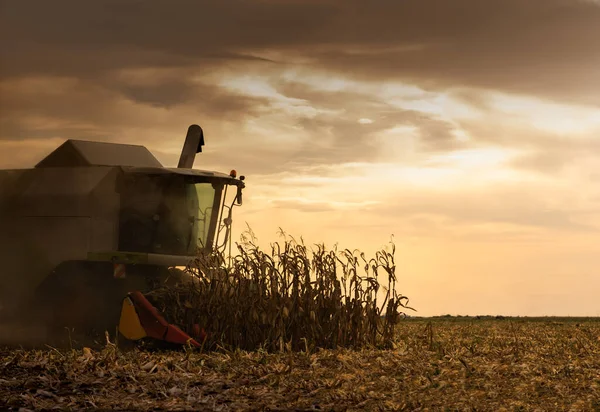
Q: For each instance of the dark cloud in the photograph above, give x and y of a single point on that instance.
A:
(73, 38)
(435, 134)
(167, 94)
(337, 123)
(541, 47)
(349, 141)
(80, 108)
(332, 135)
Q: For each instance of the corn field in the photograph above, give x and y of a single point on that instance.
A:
(293, 298)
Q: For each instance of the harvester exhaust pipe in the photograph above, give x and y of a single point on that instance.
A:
(194, 140)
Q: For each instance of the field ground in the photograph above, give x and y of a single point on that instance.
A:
(439, 364)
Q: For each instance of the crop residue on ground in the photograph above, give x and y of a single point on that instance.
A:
(458, 364)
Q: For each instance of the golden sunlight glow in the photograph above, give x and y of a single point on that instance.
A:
(549, 117)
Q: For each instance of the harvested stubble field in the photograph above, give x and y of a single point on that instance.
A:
(314, 329)
(437, 364)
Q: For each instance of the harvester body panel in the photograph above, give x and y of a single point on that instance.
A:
(54, 215)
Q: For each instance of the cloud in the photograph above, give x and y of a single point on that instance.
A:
(538, 47)
(337, 121)
(149, 106)
(291, 79)
(89, 107)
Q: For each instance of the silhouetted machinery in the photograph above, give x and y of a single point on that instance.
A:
(94, 226)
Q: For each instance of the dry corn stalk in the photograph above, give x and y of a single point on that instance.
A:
(305, 298)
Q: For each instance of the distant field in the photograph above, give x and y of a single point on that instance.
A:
(543, 364)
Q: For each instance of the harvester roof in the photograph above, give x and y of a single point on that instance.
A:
(132, 158)
(81, 153)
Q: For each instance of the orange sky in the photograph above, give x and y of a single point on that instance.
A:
(470, 130)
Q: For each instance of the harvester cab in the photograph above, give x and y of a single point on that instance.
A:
(94, 226)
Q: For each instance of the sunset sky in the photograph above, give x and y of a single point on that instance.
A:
(468, 129)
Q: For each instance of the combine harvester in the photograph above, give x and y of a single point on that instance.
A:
(94, 226)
